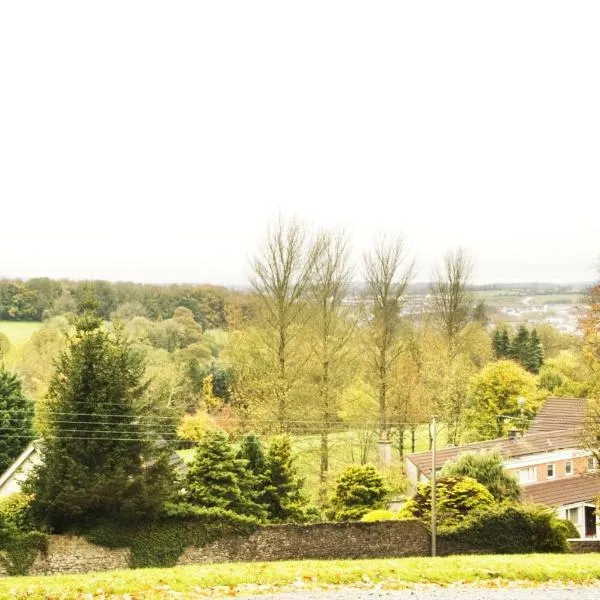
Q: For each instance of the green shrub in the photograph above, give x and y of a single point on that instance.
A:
(457, 497)
(511, 529)
(20, 549)
(160, 543)
(15, 511)
(379, 515)
(570, 529)
(358, 489)
(488, 469)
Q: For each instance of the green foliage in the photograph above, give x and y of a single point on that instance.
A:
(358, 489)
(282, 494)
(217, 478)
(501, 344)
(15, 511)
(456, 498)
(252, 451)
(16, 415)
(487, 468)
(115, 469)
(161, 542)
(511, 529)
(19, 549)
(525, 347)
(570, 529)
(36, 299)
(379, 515)
(567, 374)
(494, 393)
(535, 353)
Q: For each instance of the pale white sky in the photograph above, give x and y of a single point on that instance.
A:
(152, 141)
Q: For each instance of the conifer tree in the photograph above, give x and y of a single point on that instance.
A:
(98, 458)
(252, 451)
(505, 344)
(535, 353)
(16, 414)
(497, 344)
(217, 478)
(520, 345)
(283, 493)
(501, 344)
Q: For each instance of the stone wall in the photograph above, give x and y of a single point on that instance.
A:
(581, 546)
(382, 539)
(70, 554)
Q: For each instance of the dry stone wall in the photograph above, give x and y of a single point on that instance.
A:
(327, 540)
(71, 554)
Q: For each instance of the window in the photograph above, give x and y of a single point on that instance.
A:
(592, 464)
(573, 515)
(527, 475)
(550, 471)
(568, 468)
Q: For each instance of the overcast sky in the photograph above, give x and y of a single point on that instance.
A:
(152, 141)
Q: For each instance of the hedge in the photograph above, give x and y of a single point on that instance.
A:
(512, 529)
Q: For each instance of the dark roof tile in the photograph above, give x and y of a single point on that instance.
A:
(521, 446)
(566, 490)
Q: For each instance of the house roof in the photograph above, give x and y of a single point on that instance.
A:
(508, 448)
(566, 490)
(558, 425)
(18, 463)
(559, 414)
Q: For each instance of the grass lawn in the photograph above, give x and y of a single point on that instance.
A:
(19, 332)
(228, 580)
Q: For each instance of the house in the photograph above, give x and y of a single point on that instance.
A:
(549, 461)
(17, 473)
(12, 479)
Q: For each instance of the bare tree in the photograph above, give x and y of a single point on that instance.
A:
(281, 276)
(452, 300)
(387, 275)
(333, 330)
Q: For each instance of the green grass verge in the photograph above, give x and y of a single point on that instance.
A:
(232, 579)
(19, 332)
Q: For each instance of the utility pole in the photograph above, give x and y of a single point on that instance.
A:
(433, 490)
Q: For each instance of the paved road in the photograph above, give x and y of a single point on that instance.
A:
(439, 593)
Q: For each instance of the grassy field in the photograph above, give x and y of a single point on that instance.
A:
(229, 580)
(19, 332)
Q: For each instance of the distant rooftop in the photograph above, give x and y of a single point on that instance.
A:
(557, 426)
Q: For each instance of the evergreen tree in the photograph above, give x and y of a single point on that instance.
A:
(217, 478)
(535, 353)
(497, 344)
(283, 493)
(519, 346)
(252, 451)
(501, 344)
(505, 344)
(358, 490)
(16, 414)
(98, 458)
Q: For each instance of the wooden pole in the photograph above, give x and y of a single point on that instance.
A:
(433, 491)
